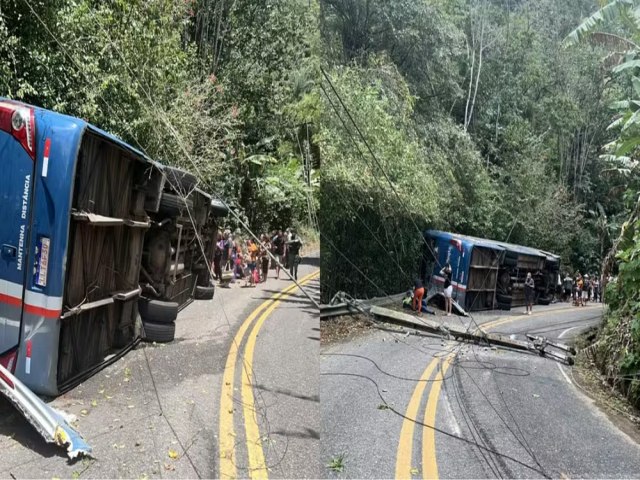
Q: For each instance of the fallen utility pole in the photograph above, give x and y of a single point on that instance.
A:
(539, 344)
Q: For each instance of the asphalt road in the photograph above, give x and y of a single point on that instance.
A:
(156, 412)
(387, 412)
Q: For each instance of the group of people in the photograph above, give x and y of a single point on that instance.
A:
(250, 260)
(418, 291)
(582, 289)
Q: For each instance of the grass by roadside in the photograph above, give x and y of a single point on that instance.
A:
(592, 383)
(311, 239)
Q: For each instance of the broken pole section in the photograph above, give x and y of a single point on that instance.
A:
(460, 333)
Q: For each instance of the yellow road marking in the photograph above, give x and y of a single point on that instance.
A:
(405, 445)
(429, 464)
(226, 438)
(257, 464)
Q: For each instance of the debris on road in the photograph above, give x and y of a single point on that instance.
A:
(49, 423)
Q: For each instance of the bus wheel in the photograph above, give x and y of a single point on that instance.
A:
(175, 205)
(158, 332)
(157, 311)
(180, 179)
(204, 293)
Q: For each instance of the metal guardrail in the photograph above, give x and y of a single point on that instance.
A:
(50, 424)
(343, 304)
(337, 310)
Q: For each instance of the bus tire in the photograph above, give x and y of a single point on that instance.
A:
(180, 180)
(174, 205)
(544, 301)
(204, 293)
(159, 332)
(157, 311)
(506, 299)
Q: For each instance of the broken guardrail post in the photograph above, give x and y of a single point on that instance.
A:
(50, 424)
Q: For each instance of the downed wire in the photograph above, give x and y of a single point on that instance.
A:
(436, 429)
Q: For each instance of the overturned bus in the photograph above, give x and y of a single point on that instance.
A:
(100, 245)
(487, 274)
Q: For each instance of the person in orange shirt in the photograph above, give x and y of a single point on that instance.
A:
(253, 251)
(418, 293)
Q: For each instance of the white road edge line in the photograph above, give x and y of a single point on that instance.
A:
(564, 374)
(567, 330)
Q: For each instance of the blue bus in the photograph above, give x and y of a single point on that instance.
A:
(487, 274)
(99, 245)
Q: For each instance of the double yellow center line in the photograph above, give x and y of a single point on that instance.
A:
(404, 456)
(227, 434)
(404, 467)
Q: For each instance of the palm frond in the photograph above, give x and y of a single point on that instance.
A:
(613, 42)
(611, 11)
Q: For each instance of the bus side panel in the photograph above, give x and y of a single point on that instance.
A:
(40, 342)
(445, 253)
(15, 199)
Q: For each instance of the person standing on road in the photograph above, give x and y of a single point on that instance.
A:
(529, 288)
(279, 245)
(579, 286)
(448, 289)
(418, 293)
(596, 290)
(252, 250)
(227, 258)
(285, 256)
(568, 287)
(264, 256)
(293, 259)
(586, 287)
(217, 257)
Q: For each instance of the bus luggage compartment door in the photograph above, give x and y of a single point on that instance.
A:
(16, 186)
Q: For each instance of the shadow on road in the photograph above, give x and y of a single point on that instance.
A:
(15, 426)
(289, 393)
(308, 433)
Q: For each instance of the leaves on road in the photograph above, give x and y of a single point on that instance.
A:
(173, 454)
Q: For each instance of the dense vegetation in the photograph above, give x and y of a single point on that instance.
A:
(616, 26)
(485, 123)
(221, 87)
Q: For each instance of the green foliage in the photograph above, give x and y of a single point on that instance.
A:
(152, 73)
(484, 124)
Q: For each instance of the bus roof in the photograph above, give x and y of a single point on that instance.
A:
(497, 245)
(61, 118)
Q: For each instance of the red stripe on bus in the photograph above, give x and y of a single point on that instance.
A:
(16, 302)
(47, 147)
(44, 312)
